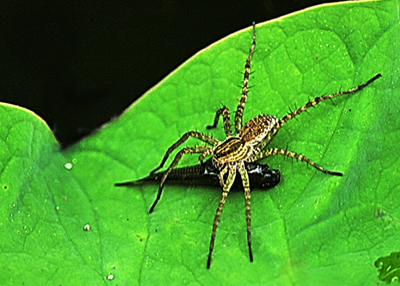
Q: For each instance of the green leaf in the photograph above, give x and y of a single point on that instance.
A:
(311, 229)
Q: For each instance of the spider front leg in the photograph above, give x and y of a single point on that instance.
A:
(226, 118)
(245, 88)
(246, 187)
(187, 150)
(317, 100)
(270, 152)
(201, 136)
(227, 187)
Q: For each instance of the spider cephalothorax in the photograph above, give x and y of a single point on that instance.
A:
(230, 155)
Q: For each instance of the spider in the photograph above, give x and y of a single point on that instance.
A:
(230, 155)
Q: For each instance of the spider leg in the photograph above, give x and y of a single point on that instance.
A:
(273, 151)
(226, 118)
(201, 136)
(246, 187)
(205, 153)
(317, 100)
(240, 108)
(310, 103)
(222, 174)
(187, 150)
(225, 191)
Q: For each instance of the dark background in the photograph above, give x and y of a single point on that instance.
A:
(79, 64)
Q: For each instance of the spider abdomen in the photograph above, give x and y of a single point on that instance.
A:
(232, 149)
(256, 129)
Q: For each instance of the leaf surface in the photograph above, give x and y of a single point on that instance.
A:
(310, 229)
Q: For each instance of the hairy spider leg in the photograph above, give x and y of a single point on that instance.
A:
(240, 108)
(226, 188)
(312, 103)
(187, 150)
(263, 154)
(221, 175)
(317, 100)
(273, 151)
(201, 136)
(226, 118)
(204, 154)
(246, 187)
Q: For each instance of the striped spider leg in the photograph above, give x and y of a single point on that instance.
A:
(187, 150)
(260, 154)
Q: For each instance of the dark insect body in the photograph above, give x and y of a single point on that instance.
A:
(260, 175)
(231, 155)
